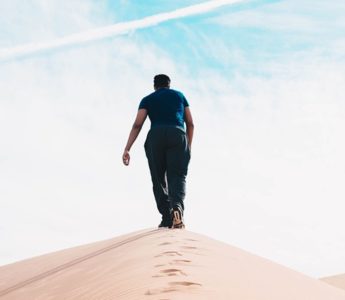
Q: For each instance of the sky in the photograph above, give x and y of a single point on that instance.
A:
(265, 81)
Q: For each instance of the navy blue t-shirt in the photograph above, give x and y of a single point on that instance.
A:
(165, 107)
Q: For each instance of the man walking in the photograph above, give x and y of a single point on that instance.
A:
(167, 147)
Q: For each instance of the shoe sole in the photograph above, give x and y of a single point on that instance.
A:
(177, 220)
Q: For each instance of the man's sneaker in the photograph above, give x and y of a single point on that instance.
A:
(177, 218)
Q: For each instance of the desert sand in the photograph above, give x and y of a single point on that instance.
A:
(158, 264)
(337, 281)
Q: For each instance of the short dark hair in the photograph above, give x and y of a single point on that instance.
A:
(161, 80)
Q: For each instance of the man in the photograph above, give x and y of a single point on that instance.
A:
(167, 147)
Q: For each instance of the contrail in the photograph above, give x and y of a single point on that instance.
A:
(113, 30)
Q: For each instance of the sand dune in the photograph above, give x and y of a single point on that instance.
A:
(158, 264)
(337, 281)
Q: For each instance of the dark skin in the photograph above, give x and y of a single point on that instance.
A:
(139, 122)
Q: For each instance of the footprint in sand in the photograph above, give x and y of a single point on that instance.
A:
(184, 283)
(173, 272)
(160, 291)
(192, 249)
(169, 253)
(180, 261)
(189, 247)
(174, 287)
(163, 244)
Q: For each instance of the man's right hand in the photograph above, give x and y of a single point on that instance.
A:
(126, 157)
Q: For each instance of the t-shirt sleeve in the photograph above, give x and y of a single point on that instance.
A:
(143, 104)
(185, 102)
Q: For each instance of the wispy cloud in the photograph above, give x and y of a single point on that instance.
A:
(287, 16)
(113, 30)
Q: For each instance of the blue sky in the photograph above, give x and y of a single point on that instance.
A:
(265, 80)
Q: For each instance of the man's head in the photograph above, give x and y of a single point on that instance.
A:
(161, 81)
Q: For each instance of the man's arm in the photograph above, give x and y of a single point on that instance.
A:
(138, 124)
(190, 126)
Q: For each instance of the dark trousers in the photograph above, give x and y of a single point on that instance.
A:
(168, 156)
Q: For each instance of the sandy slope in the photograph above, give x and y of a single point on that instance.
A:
(158, 264)
(338, 281)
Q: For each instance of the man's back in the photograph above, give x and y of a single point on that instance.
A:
(165, 107)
